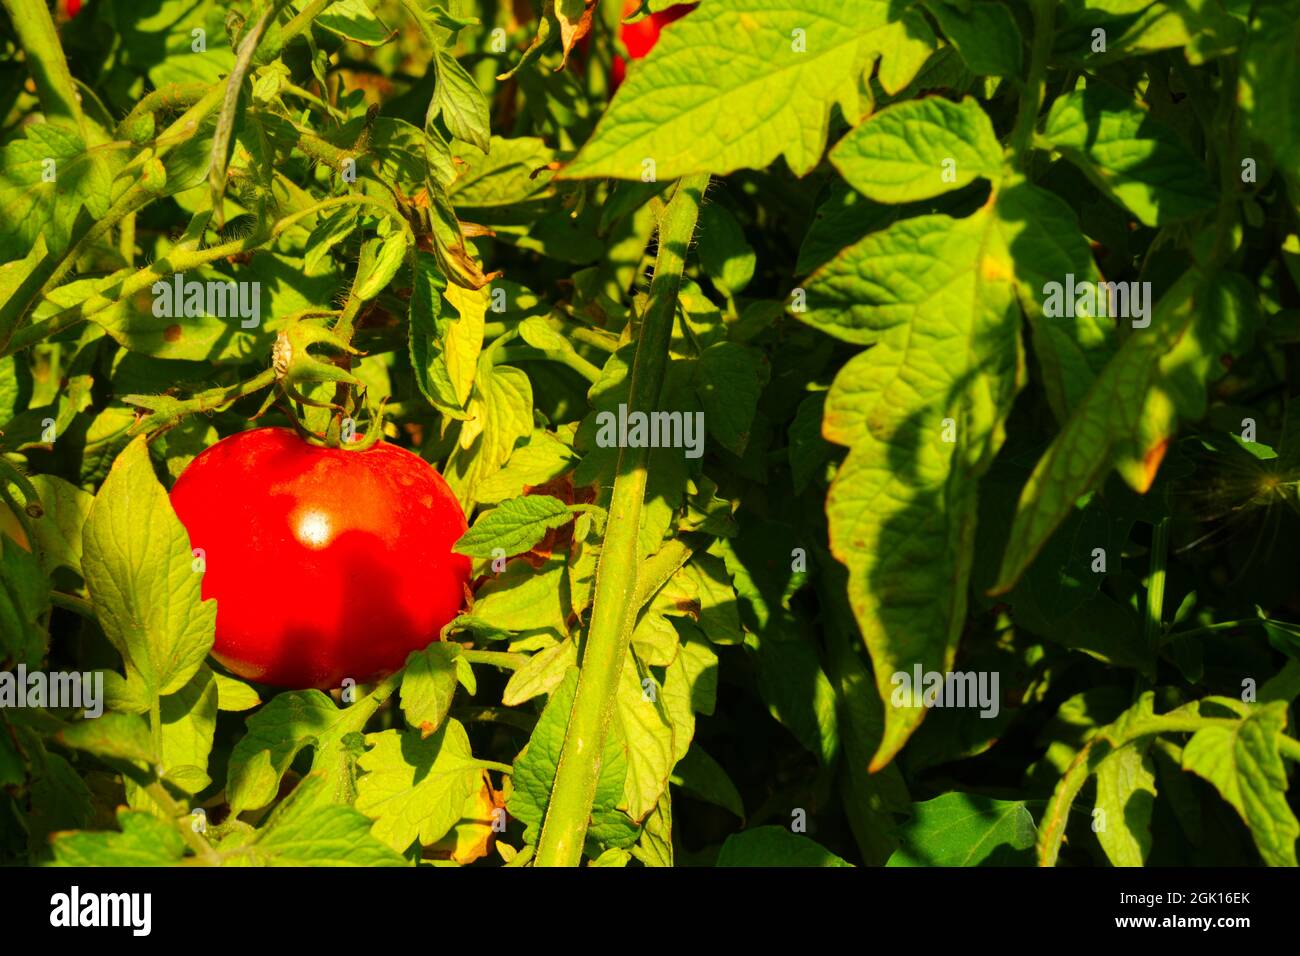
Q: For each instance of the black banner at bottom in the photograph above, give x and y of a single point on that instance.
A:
(126, 906)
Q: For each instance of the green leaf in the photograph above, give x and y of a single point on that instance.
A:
(679, 110)
(512, 173)
(306, 830)
(1133, 158)
(809, 452)
(966, 829)
(1131, 412)
(46, 176)
(725, 254)
(112, 735)
(541, 674)
(1243, 764)
(514, 526)
(24, 605)
(1126, 793)
(701, 776)
(391, 251)
(797, 692)
(655, 846)
(775, 846)
(729, 379)
(984, 33)
(20, 281)
(274, 737)
(919, 149)
(543, 457)
(144, 840)
(690, 687)
(429, 685)
(329, 231)
(138, 569)
(353, 20)
(462, 104)
(648, 736)
(1269, 84)
(58, 531)
(524, 598)
(414, 787)
(235, 695)
(189, 719)
(500, 414)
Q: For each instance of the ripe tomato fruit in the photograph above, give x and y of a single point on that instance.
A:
(325, 563)
(640, 37)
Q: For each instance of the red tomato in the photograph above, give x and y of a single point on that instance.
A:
(640, 37)
(73, 7)
(325, 563)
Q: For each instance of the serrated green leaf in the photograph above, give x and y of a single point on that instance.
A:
(524, 598)
(1130, 156)
(690, 687)
(138, 569)
(1243, 764)
(414, 787)
(46, 176)
(307, 830)
(353, 20)
(274, 736)
(500, 413)
(388, 256)
(235, 695)
(514, 526)
(919, 149)
(112, 735)
(429, 685)
(679, 110)
(541, 674)
(461, 103)
(1129, 415)
(1126, 793)
(58, 530)
(144, 840)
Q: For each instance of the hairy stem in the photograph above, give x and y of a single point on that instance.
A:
(613, 609)
(1031, 97)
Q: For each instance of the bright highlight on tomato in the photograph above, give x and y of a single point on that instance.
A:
(325, 563)
(640, 37)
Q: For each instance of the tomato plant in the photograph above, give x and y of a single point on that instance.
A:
(858, 435)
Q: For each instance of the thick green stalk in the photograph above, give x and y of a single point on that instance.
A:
(613, 608)
(45, 60)
(1031, 97)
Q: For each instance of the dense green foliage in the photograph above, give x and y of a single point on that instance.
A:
(989, 311)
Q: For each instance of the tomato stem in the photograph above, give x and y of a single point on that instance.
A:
(1031, 95)
(614, 610)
